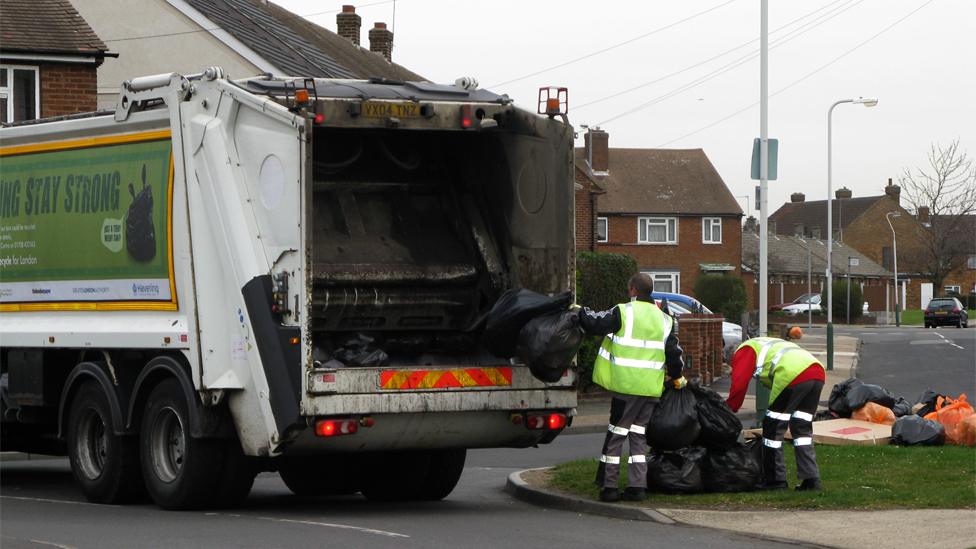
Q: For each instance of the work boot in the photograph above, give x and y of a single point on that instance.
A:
(609, 495)
(773, 485)
(810, 485)
(635, 493)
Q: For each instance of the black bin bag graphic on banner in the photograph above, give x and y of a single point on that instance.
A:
(140, 234)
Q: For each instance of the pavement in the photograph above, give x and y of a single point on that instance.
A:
(943, 528)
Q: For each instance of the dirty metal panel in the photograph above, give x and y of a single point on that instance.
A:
(396, 402)
(460, 378)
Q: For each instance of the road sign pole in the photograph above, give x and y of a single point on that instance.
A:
(762, 397)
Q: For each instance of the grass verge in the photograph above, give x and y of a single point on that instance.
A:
(914, 317)
(854, 477)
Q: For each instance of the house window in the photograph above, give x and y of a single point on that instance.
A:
(886, 257)
(19, 93)
(601, 229)
(971, 262)
(952, 289)
(712, 230)
(657, 230)
(665, 281)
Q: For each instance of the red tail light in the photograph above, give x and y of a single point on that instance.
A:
(467, 116)
(956, 310)
(553, 421)
(557, 421)
(336, 427)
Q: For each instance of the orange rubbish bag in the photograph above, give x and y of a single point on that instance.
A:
(966, 431)
(875, 413)
(951, 413)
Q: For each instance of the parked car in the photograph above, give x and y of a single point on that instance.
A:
(812, 303)
(805, 298)
(680, 304)
(946, 311)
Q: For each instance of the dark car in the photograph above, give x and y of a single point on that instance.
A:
(946, 311)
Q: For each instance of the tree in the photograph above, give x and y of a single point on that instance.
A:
(722, 293)
(947, 187)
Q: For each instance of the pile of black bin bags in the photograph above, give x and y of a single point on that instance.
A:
(910, 428)
(694, 438)
(542, 331)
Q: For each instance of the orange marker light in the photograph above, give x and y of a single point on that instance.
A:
(301, 96)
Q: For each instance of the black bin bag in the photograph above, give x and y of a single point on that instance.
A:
(720, 427)
(736, 469)
(838, 397)
(140, 233)
(928, 399)
(674, 423)
(861, 394)
(513, 310)
(901, 407)
(912, 430)
(677, 472)
(547, 344)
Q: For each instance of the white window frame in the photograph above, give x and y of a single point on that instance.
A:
(667, 222)
(971, 262)
(954, 288)
(673, 276)
(7, 92)
(708, 223)
(606, 229)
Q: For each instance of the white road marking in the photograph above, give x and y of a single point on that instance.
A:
(46, 500)
(325, 524)
(42, 542)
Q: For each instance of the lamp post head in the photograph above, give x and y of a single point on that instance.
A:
(893, 214)
(866, 101)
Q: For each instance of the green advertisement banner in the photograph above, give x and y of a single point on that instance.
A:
(86, 224)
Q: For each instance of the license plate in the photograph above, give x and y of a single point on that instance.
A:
(940, 312)
(386, 109)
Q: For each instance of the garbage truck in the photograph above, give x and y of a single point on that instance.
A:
(221, 277)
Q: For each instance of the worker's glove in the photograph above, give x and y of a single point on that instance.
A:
(679, 383)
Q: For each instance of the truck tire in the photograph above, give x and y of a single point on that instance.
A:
(319, 475)
(445, 471)
(105, 465)
(396, 476)
(181, 472)
(236, 476)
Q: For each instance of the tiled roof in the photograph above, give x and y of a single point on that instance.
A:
(788, 255)
(48, 26)
(814, 214)
(295, 45)
(673, 181)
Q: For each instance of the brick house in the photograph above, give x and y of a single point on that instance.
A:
(667, 208)
(244, 37)
(49, 57)
(860, 222)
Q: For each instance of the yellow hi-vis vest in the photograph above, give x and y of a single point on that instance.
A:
(778, 362)
(631, 361)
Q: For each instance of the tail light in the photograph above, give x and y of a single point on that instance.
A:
(336, 427)
(467, 116)
(956, 310)
(553, 421)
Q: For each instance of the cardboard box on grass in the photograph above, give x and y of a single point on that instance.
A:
(840, 432)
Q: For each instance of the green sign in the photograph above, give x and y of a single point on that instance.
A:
(87, 224)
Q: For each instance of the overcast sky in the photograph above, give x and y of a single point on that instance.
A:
(922, 69)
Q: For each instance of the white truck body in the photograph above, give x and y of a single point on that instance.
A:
(398, 210)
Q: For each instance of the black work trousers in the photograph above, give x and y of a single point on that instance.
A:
(629, 415)
(794, 407)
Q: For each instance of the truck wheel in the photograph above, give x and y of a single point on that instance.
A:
(446, 467)
(396, 476)
(319, 475)
(106, 465)
(236, 476)
(181, 472)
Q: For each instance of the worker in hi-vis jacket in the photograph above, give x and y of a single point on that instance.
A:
(641, 341)
(795, 379)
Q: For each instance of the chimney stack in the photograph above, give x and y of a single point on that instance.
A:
(596, 143)
(923, 214)
(381, 41)
(750, 225)
(798, 229)
(797, 197)
(893, 192)
(349, 24)
(843, 192)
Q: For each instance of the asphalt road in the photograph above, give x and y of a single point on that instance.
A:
(41, 508)
(908, 360)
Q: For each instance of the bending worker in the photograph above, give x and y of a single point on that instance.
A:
(795, 378)
(641, 341)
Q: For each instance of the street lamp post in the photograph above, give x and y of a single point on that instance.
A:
(894, 253)
(867, 102)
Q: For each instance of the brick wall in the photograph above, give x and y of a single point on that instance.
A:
(585, 216)
(685, 256)
(701, 340)
(68, 88)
